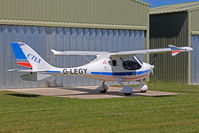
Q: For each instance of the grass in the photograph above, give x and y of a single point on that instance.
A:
(34, 113)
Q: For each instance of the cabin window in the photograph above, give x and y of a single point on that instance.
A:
(131, 65)
(114, 62)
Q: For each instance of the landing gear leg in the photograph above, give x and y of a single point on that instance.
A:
(103, 88)
(126, 90)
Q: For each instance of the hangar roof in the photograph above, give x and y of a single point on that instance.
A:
(114, 14)
(142, 2)
(190, 6)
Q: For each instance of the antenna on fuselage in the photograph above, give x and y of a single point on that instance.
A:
(121, 59)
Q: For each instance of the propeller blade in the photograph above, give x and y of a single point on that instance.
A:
(153, 59)
(153, 77)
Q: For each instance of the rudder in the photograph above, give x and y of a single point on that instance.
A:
(19, 55)
(27, 57)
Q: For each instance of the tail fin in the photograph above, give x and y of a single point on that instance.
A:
(26, 56)
(175, 50)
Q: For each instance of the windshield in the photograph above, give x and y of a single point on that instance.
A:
(131, 64)
(138, 59)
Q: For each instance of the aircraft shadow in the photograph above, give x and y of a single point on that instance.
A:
(88, 92)
(23, 95)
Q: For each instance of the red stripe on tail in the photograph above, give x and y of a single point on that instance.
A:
(24, 64)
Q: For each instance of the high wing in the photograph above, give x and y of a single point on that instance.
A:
(173, 49)
(55, 52)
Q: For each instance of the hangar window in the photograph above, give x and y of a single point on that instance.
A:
(131, 64)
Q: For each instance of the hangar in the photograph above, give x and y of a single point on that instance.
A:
(97, 25)
(178, 25)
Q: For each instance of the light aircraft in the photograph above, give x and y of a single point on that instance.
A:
(120, 67)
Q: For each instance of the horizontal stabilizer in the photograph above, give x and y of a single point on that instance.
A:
(20, 70)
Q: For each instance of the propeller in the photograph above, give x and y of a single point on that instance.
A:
(153, 77)
(152, 67)
(153, 59)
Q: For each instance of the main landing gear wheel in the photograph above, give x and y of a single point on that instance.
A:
(143, 91)
(103, 91)
(103, 88)
(127, 94)
(126, 90)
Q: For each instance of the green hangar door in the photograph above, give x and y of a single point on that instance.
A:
(177, 24)
(195, 59)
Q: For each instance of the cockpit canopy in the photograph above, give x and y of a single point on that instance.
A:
(132, 63)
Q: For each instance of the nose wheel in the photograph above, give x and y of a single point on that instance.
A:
(143, 91)
(142, 87)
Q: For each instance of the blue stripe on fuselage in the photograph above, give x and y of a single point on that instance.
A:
(53, 71)
(120, 73)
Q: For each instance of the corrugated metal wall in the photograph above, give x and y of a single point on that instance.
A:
(194, 20)
(171, 28)
(42, 39)
(195, 59)
(32, 35)
(194, 27)
(110, 12)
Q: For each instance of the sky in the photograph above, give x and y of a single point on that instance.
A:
(156, 3)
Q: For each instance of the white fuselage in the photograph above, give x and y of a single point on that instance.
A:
(102, 69)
